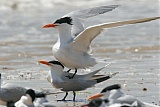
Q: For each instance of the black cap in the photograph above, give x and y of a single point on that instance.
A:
(57, 63)
(115, 86)
(67, 20)
(31, 93)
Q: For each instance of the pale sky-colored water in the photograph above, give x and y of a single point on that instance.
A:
(136, 47)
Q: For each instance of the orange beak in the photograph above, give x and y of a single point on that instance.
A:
(44, 62)
(49, 25)
(98, 95)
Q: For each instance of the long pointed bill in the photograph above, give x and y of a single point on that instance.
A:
(98, 95)
(49, 25)
(44, 62)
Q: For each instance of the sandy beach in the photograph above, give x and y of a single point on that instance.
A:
(135, 48)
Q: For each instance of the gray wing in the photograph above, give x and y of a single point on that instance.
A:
(85, 76)
(11, 92)
(79, 15)
(47, 105)
(90, 12)
(128, 99)
(83, 40)
(75, 84)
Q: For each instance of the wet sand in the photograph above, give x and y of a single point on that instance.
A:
(135, 48)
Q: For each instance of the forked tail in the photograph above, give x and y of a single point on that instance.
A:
(101, 79)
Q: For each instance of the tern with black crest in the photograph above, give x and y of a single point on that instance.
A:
(60, 79)
(70, 26)
(72, 48)
(27, 99)
(117, 98)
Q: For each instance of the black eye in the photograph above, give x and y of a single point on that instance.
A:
(67, 20)
(56, 62)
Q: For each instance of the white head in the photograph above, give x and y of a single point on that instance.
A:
(106, 92)
(115, 93)
(28, 98)
(63, 25)
(55, 72)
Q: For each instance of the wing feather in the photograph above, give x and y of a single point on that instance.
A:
(83, 40)
(78, 16)
(90, 12)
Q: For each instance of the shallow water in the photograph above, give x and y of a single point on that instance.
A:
(135, 47)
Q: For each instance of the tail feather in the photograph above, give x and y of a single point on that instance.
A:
(105, 78)
(90, 75)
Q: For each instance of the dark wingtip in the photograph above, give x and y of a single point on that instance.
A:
(39, 95)
(103, 79)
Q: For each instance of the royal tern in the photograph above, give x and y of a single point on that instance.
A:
(73, 51)
(70, 26)
(10, 92)
(59, 79)
(105, 93)
(115, 96)
(27, 100)
(97, 102)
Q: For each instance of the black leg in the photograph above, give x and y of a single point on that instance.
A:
(68, 70)
(73, 74)
(64, 97)
(74, 95)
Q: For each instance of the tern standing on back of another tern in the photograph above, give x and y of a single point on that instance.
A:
(69, 27)
(59, 79)
(73, 46)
